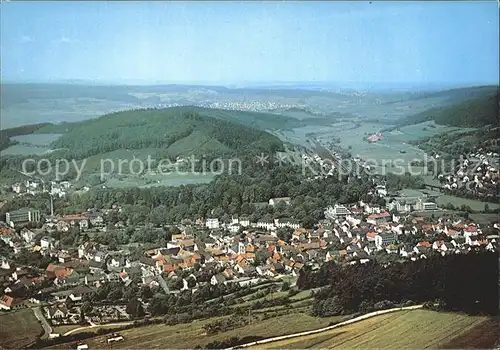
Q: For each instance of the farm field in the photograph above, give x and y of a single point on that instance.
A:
(178, 179)
(301, 295)
(271, 296)
(33, 144)
(483, 336)
(189, 335)
(37, 139)
(119, 170)
(484, 218)
(394, 146)
(444, 199)
(57, 110)
(406, 329)
(24, 150)
(457, 201)
(18, 329)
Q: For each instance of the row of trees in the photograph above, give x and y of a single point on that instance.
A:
(227, 195)
(466, 283)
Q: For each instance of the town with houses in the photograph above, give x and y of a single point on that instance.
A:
(234, 252)
(302, 198)
(241, 252)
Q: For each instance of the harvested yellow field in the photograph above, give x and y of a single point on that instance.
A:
(404, 329)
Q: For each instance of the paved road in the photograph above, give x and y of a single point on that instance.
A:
(340, 324)
(99, 325)
(40, 316)
(163, 284)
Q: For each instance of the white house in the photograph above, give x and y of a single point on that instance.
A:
(18, 188)
(268, 225)
(218, 279)
(4, 264)
(245, 222)
(264, 271)
(281, 223)
(47, 242)
(274, 201)
(27, 235)
(212, 223)
(234, 228)
(384, 239)
(381, 190)
(100, 256)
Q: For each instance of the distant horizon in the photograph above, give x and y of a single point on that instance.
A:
(256, 84)
(248, 43)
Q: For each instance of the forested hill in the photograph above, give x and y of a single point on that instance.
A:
(476, 112)
(183, 130)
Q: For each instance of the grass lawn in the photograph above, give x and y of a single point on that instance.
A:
(18, 329)
(65, 328)
(303, 305)
(457, 202)
(406, 329)
(483, 218)
(270, 296)
(301, 295)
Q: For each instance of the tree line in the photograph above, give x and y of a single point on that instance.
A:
(459, 282)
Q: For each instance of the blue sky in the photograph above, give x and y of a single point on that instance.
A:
(454, 43)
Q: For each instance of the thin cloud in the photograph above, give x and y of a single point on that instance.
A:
(26, 39)
(64, 40)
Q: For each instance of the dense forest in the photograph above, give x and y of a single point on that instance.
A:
(459, 282)
(228, 195)
(162, 134)
(161, 128)
(476, 112)
(460, 143)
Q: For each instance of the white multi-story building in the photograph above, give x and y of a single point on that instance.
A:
(281, 223)
(335, 211)
(399, 206)
(381, 190)
(421, 205)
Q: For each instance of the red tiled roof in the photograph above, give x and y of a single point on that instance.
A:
(10, 301)
(378, 216)
(73, 218)
(5, 231)
(6, 300)
(250, 255)
(65, 272)
(470, 228)
(452, 232)
(168, 268)
(371, 236)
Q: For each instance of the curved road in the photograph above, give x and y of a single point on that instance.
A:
(126, 323)
(40, 316)
(340, 324)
